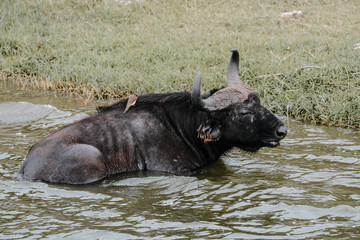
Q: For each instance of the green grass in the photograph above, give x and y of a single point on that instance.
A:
(305, 67)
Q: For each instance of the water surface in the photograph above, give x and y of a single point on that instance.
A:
(309, 187)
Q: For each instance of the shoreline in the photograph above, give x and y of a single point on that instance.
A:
(304, 64)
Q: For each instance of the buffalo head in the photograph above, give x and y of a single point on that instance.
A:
(236, 114)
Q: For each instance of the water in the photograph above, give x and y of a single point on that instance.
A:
(309, 187)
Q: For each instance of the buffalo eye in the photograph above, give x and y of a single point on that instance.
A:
(247, 114)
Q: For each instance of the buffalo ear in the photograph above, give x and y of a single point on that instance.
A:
(131, 102)
(209, 131)
(253, 98)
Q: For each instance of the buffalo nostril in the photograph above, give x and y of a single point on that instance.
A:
(281, 132)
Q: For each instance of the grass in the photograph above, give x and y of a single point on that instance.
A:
(305, 67)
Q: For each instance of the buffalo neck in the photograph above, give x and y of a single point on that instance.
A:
(185, 120)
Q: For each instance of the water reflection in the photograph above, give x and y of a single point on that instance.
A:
(307, 188)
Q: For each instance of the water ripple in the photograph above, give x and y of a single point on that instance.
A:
(306, 188)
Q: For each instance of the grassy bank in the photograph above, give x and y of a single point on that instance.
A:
(306, 67)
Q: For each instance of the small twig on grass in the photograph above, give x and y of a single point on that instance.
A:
(306, 67)
(41, 45)
(275, 76)
(296, 70)
(269, 75)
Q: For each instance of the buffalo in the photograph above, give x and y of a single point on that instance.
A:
(175, 133)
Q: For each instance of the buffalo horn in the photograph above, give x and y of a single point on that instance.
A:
(235, 91)
(195, 93)
(212, 103)
(233, 69)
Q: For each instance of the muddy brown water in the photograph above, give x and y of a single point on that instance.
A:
(309, 187)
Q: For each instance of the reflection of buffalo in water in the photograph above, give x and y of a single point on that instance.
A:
(175, 133)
